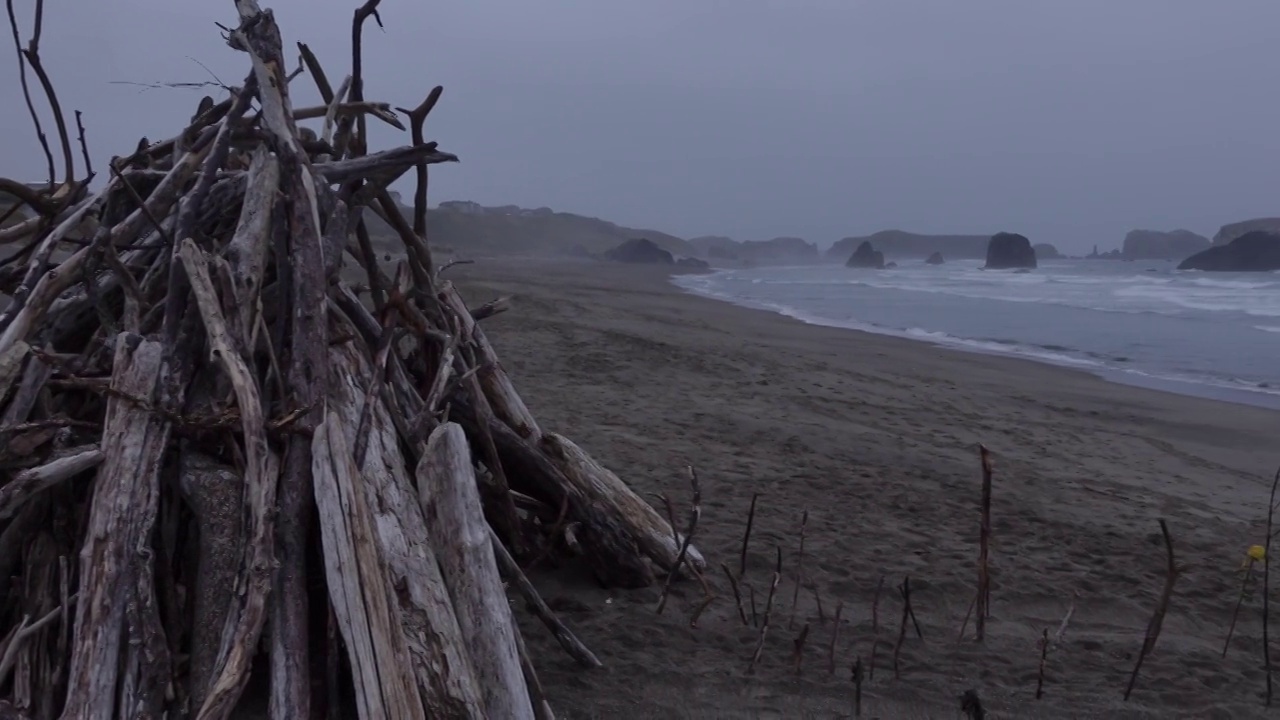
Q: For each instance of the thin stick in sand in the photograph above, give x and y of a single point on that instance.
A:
(755, 617)
(1266, 586)
(737, 595)
(746, 537)
(968, 614)
(768, 610)
(688, 537)
(671, 516)
(971, 705)
(905, 591)
(795, 596)
(509, 568)
(857, 688)
(1157, 618)
(983, 599)
(797, 654)
(708, 596)
(822, 615)
(875, 628)
(835, 636)
(1044, 653)
(702, 607)
(1066, 619)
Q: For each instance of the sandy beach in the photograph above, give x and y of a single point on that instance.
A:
(876, 438)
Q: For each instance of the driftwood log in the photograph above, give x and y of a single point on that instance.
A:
(225, 464)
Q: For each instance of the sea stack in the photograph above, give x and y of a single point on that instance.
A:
(1157, 245)
(1257, 251)
(866, 257)
(1009, 251)
(1045, 251)
(934, 259)
(640, 251)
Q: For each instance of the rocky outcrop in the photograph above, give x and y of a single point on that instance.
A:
(1156, 245)
(1257, 251)
(478, 231)
(640, 251)
(779, 250)
(1045, 251)
(715, 246)
(693, 263)
(900, 244)
(1234, 230)
(866, 256)
(1010, 250)
(935, 259)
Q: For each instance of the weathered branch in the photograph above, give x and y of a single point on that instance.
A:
(358, 586)
(29, 482)
(455, 521)
(124, 509)
(244, 622)
(571, 644)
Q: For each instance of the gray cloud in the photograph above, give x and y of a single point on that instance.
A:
(1069, 122)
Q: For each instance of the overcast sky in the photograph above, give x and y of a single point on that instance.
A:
(1069, 121)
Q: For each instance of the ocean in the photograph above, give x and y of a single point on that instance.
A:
(1142, 323)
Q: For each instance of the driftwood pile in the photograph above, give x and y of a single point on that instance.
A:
(222, 461)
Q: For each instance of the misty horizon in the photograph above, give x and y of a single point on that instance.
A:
(1068, 124)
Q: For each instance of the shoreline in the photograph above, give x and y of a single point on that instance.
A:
(1205, 390)
(875, 438)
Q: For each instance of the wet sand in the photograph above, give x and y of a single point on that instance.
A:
(876, 438)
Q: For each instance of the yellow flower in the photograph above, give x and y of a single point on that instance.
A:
(1257, 553)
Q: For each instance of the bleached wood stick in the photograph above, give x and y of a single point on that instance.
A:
(601, 487)
(124, 506)
(451, 503)
(244, 623)
(498, 388)
(441, 663)
(246, 252)
(611, 550)
(359, 588)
